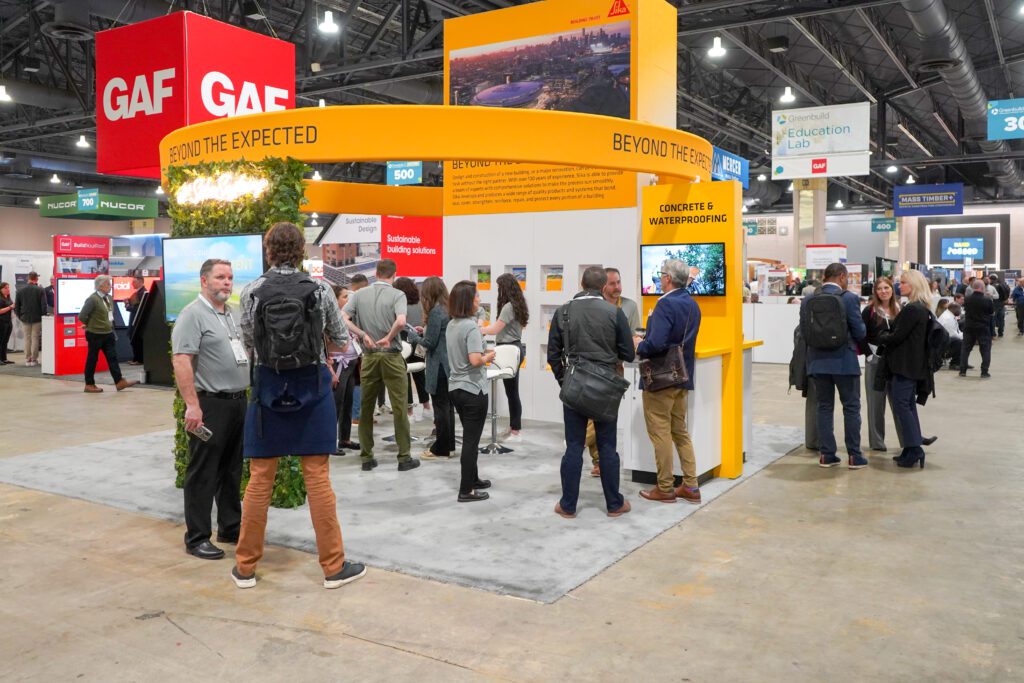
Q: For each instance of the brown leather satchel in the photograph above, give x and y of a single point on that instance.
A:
(664, 371)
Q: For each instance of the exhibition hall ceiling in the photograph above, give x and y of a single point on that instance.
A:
(390, 51)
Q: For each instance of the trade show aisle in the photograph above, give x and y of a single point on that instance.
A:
(801, 570)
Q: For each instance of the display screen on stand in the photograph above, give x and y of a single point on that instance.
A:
(184, 257)
(705, 259)
(72, 293)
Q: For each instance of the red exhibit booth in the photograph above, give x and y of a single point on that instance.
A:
(77, 260)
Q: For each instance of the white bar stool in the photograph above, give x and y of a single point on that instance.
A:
(504, 366)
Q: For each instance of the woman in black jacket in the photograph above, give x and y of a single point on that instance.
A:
(906, 359)
(879, 316)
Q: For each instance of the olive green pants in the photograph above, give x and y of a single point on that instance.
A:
(383, 370)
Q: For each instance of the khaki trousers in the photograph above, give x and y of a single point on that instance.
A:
(322, 511)
(33, 339)
(381, 370)
(665, 414)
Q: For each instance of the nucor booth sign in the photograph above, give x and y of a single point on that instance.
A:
(160, 75)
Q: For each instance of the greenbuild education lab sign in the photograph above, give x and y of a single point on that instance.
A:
(92, 205)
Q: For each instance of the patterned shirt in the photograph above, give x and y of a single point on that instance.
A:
(334, 328)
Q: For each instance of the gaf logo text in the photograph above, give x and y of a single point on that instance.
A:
(819, 165)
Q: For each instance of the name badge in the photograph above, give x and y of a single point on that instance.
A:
(241, 358)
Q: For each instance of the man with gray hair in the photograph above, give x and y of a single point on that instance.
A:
(674, 323)
(977, 328)
(97, 315)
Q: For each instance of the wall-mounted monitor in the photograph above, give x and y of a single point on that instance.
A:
(72, 293)
(705, 259)
(184, 256)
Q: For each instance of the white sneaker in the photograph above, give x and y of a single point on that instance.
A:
(428, 414)
(242, 581)
(516, 437)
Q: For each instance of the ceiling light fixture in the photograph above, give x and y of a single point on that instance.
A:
(159, 189)
(911, 180)
(315, 215)
(716, 50)
(790, 188)
(252, 10)
(30, 65)
(37, 202)
(313, 223)
(839, 204)
(761, 178)
(322, 103)
(4, 97)
(891, 170)
(788, 96)
(317, 176)
(328, 25)
(82, 142)
(745, 209)
(55, 179)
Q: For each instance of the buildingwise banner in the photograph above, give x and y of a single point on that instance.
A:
(821, 142)
(928, 200)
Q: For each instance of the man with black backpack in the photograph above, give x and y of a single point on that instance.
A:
(831, 324)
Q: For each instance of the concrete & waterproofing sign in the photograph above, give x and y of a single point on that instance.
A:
(1006, 119)
(821, 142)
(89, 204)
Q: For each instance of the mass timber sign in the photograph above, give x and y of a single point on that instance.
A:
(183, 68)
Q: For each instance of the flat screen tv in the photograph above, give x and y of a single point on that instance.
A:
(184, 256)
(72, 293)
(705, 259)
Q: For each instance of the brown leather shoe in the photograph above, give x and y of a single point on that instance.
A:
(596, 471)
(626, 507)
(686, 494)
(563, 513)
(92, 389)
(125, 383)
(658, 495)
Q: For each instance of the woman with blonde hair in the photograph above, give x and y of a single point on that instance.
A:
(879, 316)
(906, 360)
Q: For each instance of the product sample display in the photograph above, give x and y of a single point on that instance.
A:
(706, 261)
(184, 256)
(71, 295)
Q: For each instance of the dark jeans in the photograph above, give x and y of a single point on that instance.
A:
(515, 405)
(983, 339)
(444, 418)
(953, 353)
(999, 320)
(343, 402)
(1019, 310)
(849, 395)
(215, 471)
(572, 461)
(6, 327)
(420, 380)
(903, 395)
(108, 345)
(472, 409)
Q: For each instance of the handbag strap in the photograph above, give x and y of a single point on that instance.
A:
(565, 332)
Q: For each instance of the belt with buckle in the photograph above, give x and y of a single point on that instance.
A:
(226, 395)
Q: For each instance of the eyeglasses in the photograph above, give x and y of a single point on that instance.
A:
(663, 274)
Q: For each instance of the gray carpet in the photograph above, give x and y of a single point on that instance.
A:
(409, 521)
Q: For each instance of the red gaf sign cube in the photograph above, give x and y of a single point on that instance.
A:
(183, 68)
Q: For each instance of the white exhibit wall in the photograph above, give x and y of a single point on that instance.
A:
(570, 239)
(777, 247)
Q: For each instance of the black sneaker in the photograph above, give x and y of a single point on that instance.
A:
(406, 465)
(243, 581)
(369, 464)
(985, 375)
(233, 540)
(350, 571)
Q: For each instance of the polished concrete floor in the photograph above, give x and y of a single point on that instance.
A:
(799, 574)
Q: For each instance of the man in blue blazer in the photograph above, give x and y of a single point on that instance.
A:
(832, 369)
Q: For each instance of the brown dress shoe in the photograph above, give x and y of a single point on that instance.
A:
(563, 513)
(626, 507)
(688, 495)
(658, 495)
(92, 389)
(124, 384)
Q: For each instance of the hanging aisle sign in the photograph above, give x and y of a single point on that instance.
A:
(728, 166)
(91, 205)
(883, 225)
(928, 200)
(1006, 119)
(821, 142)
(405, 172)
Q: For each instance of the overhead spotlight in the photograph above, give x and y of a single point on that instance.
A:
(911, 180)
(322, 103)
(37, 202)
(839, 204)
(761, 178)
(4, 97)
(716, 50)
(313, 223)
(788, 96)
(82, 142)
(891, 170)
(159, 189)
(328, 25)
(790, 188)
(745, 209)
(317, 176)
(55, 179)
(315, 215)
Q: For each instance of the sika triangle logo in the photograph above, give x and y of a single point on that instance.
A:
(619, 7)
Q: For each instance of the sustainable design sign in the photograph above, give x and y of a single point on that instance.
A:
(928, 200)
(727, 166)
(957, 248)
(1006, 119)
(821, 141)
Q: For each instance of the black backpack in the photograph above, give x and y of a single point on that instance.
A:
(289, 326)
(827, 328)
(936, 342)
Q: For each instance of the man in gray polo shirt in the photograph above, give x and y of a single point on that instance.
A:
(212, 372)
(376, 315)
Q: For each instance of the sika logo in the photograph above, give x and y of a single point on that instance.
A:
(619, 7)
(819, 165)
(64, 244)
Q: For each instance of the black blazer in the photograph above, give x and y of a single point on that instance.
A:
(978, 312)
(906, 350)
